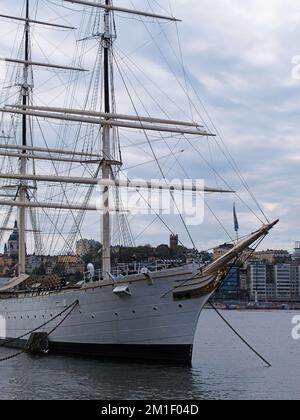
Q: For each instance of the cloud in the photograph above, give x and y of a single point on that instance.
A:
(238, 58)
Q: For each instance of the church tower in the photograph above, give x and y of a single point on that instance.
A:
(12, 247)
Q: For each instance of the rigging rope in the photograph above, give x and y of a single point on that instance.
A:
(6, 343)
(247, 257)
(230, 159)
(239, 335)
(157, 161)
(209, 164)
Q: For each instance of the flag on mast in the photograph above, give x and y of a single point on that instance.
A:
(236, 222)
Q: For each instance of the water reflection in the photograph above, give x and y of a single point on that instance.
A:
(222, 368)
(66, 378)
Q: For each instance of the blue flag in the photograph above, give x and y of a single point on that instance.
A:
(236, 222)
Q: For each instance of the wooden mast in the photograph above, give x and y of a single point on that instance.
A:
(23, 160)
(106, 144)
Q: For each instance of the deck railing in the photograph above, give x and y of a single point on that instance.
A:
(122, 270)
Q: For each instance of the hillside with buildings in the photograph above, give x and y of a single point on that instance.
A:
(271, 275)
(261, 276)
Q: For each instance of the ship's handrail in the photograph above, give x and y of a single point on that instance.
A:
(125, 269)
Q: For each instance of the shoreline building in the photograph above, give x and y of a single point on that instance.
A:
(230, 287)
(296, 255)
(86, 246)
(269, 282)
(283, 281)
(243, 284)
(174, 241)
(221, 250)
(273, 256)
(258, 280)
(295, 279)
(11, 248)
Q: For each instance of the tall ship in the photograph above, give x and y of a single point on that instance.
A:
(64, 148)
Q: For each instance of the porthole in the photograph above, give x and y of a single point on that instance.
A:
(180, 306)
(134, 311)
(116, 314)
(93, 316)
(155, 308)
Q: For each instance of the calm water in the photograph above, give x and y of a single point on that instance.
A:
(223, 368)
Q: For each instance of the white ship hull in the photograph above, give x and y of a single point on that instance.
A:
(147, 325)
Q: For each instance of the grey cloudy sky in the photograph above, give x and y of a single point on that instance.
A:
(238, 55)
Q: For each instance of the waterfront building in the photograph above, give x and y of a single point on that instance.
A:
(273, 256)
(12, 246)
(261, 280)
(174, 241)
(258, 280)
(86, 246)
(71, 264)
(271, 290)
(296, 255)
(295, 279)
(49, 264)
(33, 263)
(283, 281)
(221, 250)
(243, 279)
(7, 265)
(243, 284)
(230, 287)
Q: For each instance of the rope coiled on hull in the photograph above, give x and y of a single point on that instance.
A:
(69, 309)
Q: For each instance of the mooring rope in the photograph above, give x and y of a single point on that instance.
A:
(6, 343)
(239, 335)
